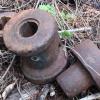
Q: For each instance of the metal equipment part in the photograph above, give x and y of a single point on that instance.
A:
(33, 35)
(89, 55)
(83, 74)
(74, 80)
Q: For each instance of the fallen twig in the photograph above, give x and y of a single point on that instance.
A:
(58, 11)
(7, 69)
(78, 29)
(37, 4)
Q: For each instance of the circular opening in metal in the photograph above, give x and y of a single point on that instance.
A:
(28, 29)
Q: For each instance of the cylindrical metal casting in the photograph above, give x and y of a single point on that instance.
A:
(74, 80)
(33, 35)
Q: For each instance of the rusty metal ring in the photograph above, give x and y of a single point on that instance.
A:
(26, 40)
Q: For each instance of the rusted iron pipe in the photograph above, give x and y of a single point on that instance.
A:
(32, 34)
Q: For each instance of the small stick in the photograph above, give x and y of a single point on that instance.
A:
(58, 11)
(37, 3)
(8, 69)
(78, 29)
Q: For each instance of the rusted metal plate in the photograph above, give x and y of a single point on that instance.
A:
(74, 80)
(89, 55)
(36, 40)
(4, 17)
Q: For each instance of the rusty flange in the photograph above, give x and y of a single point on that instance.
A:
(4, 17)
(33, 35)
(74, 80)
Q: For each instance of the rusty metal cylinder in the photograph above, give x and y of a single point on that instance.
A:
(74, 80)
(33, 35)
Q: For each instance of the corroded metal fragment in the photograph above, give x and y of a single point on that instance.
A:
(33, 35)
(74, 80)
(89, 55)
(83, 74)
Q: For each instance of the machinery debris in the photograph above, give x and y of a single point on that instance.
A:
(36, 40)
(42, 58)
(89, 55)
(83, 74)
(74, 80)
